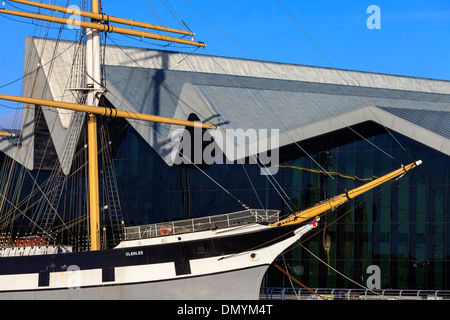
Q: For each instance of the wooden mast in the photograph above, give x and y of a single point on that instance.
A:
(93, 79)
(6, 134)
(336, 201)
(99, 22)
(103, 27)
(103, 17)
(106, 112)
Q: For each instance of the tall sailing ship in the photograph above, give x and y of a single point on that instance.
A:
(218, 257)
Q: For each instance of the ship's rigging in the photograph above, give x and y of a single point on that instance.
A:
(92, 83)
(93, 87)
(88, 93)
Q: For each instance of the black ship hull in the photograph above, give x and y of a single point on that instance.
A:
(224, 264)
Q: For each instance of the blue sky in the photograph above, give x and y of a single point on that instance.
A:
(413, 40)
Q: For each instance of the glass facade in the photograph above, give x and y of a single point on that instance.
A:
(402, 228)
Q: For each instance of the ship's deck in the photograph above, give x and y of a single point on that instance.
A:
(201, 224)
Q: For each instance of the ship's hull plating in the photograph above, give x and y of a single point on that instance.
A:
(222, 264)
(234, 285)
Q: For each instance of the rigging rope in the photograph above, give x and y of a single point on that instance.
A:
(228, 36)
(297, 281)
(300, 243)
(170, 142)
(340, 273)
(296, 143)
(338, 72)
(161, 84)
(54, 57)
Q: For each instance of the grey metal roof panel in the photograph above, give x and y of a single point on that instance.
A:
(147, 89)
(301, 101)
(432, 120)
(199, 63)
(298, 109)
(177, 78)
(292, 109)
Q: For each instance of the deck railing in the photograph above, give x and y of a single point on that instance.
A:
(201, 224)
(276, 293)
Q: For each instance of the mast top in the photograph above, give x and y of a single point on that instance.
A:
(94, 6)
(101, 22)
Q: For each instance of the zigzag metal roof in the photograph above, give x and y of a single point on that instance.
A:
(300, 110)
(303, 102)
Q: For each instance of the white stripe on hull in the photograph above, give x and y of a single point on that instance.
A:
(236, 285)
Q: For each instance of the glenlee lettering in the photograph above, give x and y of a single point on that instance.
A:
(134, 253)
(240, 309)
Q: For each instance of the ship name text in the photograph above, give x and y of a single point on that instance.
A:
(134, 253)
